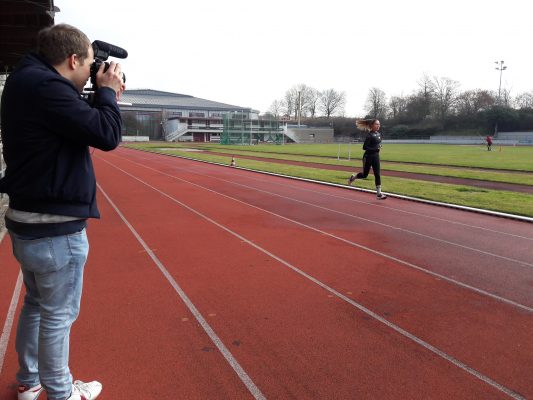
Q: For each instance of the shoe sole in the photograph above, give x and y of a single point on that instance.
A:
(37, 395)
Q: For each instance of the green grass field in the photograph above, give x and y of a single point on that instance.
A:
(355, 154)
(435, 159)
(519, 158)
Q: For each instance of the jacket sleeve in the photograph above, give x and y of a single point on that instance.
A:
(366, 144)
(98, 125)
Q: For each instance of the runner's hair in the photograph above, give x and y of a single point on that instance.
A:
(364, 124)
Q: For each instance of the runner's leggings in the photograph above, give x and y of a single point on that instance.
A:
(371, 160)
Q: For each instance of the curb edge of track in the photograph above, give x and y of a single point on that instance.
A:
(338, 185)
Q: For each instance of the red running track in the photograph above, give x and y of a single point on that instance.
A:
(210, 282)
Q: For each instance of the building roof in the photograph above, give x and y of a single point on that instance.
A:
(149, 98)
(20, 21)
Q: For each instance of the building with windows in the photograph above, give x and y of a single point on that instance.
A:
(167, 116)
(173, 116)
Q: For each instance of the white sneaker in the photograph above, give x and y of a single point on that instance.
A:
(85, 391)
(28, 393)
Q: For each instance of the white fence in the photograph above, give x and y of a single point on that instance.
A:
(519, 137)
(502, 139)
(135, 138)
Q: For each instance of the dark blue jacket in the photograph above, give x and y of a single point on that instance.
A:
(47, 128)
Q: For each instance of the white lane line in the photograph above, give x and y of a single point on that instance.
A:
(390, 208)
(365, 310)
(250, 385)
(155, 157)
(8, 325)
(524, 263)
(343, 186)
(376, 252)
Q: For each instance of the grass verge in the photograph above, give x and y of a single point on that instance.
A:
(466, 172)
(494, 200)
(512, 158)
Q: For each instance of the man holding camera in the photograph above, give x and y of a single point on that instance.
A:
(47, 128)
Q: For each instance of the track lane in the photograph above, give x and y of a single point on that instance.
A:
(383, 218)
(10, 288)
(418, 209)
(304, 360)
(9, 273)
(412, 211)
(133, 334)
(489, 242)
(168, 184)
(476, 260)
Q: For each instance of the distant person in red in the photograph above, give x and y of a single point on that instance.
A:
(489, 143)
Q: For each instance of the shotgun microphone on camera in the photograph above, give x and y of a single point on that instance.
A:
(103, 50)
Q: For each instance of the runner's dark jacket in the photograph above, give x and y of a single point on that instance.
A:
(372, 143)
(47, 128)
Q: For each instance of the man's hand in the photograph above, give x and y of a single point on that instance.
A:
(111, 78)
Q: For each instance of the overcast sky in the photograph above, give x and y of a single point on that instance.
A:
(249, 53)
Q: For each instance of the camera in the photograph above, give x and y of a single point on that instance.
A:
(102, 51)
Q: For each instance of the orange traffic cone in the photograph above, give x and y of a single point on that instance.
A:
(233, 161)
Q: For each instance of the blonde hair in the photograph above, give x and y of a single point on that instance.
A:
(364, 124)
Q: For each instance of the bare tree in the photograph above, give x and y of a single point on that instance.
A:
(397, 106)
(445, 95)
(376, 103)
(295, 100)
(506, 100)
(303, 96)
(290, 102)
(312, 101)
(423, 98)
(276, 108)
(472, 101)
(332, 101)
(524, 100)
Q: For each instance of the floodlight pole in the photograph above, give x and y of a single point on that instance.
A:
(299, 106)
(500, 68)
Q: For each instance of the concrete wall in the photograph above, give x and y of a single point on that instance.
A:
(310, 135)
(520, 137)
(135, 138)
(495, 142)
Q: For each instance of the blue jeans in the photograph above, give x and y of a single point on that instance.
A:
(52, 268)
